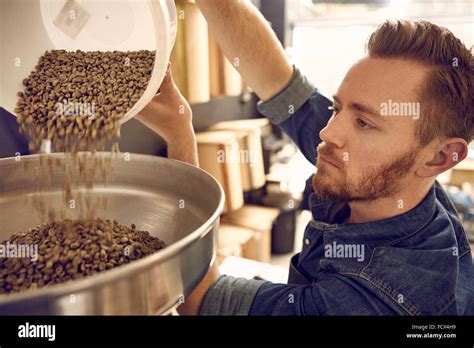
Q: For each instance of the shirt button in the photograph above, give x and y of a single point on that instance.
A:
(307, 241)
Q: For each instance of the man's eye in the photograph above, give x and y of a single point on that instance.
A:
(334, 110)
(363, 124)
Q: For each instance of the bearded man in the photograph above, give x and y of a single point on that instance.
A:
(385, 239)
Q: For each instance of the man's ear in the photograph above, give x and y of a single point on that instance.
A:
(445, 155)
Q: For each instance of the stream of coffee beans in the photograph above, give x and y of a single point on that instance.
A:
(76, 100)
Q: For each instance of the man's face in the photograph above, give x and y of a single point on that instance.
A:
(370, 138)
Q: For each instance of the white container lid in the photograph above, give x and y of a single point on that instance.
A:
(28, 28)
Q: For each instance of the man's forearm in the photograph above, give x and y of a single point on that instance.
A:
(248, 41)
(184, 149)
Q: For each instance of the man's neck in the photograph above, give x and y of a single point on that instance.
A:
(384, 208)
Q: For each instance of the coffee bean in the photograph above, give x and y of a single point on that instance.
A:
(64, 260)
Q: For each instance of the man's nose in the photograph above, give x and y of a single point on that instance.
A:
(334, 132)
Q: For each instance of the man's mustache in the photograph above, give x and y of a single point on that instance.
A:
(328, 152)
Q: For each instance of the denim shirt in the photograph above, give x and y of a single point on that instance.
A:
(416, 263)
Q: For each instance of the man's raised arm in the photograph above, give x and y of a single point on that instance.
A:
(246, 37)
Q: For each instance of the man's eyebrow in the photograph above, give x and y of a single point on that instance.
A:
(362, 108)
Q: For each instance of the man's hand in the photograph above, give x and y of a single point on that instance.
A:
(170, 115)
(246, 37)
(193, 301)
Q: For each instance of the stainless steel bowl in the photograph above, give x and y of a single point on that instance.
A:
(174, 201)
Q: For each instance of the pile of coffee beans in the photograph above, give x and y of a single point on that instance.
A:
(72, 249)
(76, 99)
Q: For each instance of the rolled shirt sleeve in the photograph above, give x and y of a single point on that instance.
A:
(300, 111)
(332, 295)
(230, 296)
(290, 99)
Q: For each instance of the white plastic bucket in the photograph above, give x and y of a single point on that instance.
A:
(28, 28)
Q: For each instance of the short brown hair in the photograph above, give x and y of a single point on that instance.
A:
(446, 97)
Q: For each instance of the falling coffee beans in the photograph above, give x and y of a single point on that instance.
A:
(73, 249)
(76, 99)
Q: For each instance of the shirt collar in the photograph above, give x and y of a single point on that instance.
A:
(329, 216)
